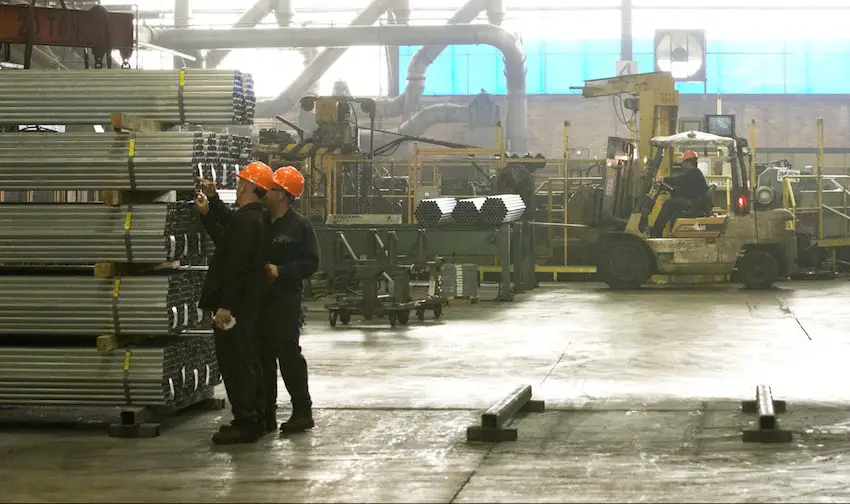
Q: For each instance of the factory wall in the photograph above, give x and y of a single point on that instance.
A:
(783, 121)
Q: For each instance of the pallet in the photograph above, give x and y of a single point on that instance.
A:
(117, 269)
(464, 301)
(121, 421)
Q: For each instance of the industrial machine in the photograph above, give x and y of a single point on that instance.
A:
(759, 246)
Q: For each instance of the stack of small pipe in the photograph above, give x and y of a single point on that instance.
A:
(52, 306)
(485, 211)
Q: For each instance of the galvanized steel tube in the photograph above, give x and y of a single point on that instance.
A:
(502, 208)
(92, 233)
(99, 161)
(435, 211)
(84, 306)
(91, 97)
(467, 212)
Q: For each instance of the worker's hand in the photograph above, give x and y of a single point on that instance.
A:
(202, 203)
(271, 270)
(222, 318)
(208, 188)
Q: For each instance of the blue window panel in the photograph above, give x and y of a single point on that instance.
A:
(828, 74)
(828, 46)
(645, 62)
(563, 71)
(745, 46)
(535, 77)
(600, 66)
(643, 45)
(752, 74)
(486, 72)
(796, 74)
(602, 46)
(690, 87)
(713, 74)
(439, 78)
(564, 46)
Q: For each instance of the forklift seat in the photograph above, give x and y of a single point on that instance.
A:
(702, 207)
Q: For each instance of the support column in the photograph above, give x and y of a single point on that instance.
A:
(626, 37)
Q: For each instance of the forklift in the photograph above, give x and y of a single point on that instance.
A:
(758, 247)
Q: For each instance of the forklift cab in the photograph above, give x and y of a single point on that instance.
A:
(720, 235)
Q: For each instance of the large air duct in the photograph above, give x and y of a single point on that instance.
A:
(283, 12)
(408, 101)
(311, 74)
(508, 44)
(439, 113)
(249, 19)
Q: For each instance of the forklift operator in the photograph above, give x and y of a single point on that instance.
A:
(688, 189)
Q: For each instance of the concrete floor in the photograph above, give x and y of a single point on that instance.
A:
(642, 393)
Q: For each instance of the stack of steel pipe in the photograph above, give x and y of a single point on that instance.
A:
(435, 211)
(467, 212)
(88, 233)
(501, 209)
(84, 306)
(91, 97)
(100, 161)
(159, 374)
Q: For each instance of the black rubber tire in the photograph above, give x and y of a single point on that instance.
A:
(344, 317)
(332, 316)
(403, 317)
(625, 265)
(392, 319)
(438, 312)
(367, 316)
(758, 269)
(420, 314)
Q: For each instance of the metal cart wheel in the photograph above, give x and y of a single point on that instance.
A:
(332, 316)
(403, 317)
(420, 314)
(438, 311)
(392, 318)
(344, 317)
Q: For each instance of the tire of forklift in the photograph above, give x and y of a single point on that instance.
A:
(625, 265)
(758, 269)
(344, 317)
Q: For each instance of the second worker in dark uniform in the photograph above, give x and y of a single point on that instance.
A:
(292, 256)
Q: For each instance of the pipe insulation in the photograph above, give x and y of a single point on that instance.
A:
(96, 233)
(100, 161)
(158, 374)
(191, 96)
(435, 211)
(507, 43)
(85, 306)
(501, 209)
(467, 212)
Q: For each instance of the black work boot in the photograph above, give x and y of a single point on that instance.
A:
(236, 434)
(299, 421)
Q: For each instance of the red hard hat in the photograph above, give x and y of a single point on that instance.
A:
(290, 180)
(258, 173)
(689, 155)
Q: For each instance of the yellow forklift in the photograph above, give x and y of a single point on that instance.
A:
(757, 247)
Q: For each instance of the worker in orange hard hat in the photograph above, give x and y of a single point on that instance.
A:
(293, 257)
(688, 189)
(233, 289)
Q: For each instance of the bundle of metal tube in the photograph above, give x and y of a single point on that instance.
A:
(85, 306)
(91, 97)
(467, 212)
(159, 374)
(97, 161)
(435, 211)
(502, 208)
(88, 233)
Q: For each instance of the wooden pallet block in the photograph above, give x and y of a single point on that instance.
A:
(116, 269)
(464, 301)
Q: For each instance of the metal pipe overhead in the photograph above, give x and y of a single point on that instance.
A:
(508, 44)
(283, 12)
(90, 97)
(249, 19)
(467, 212)
(159, 374)
(314, 71)
(501, 209)
(93, 233)
(86, 306)
(100, 161)
(408, 101)
(435, 211)
(432, 115)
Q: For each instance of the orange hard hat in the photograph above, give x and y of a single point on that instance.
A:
(689, 155)
(258, 173)
(290, 180)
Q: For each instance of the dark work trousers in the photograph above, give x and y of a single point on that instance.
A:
(670, 211)
(280, 335)
(239, 363)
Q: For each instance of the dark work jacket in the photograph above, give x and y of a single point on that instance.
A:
(690, 185)
(236, 275)
(292, 247)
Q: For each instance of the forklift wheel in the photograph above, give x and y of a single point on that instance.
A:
(758, 269)
(625, 265)
(332, 318)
